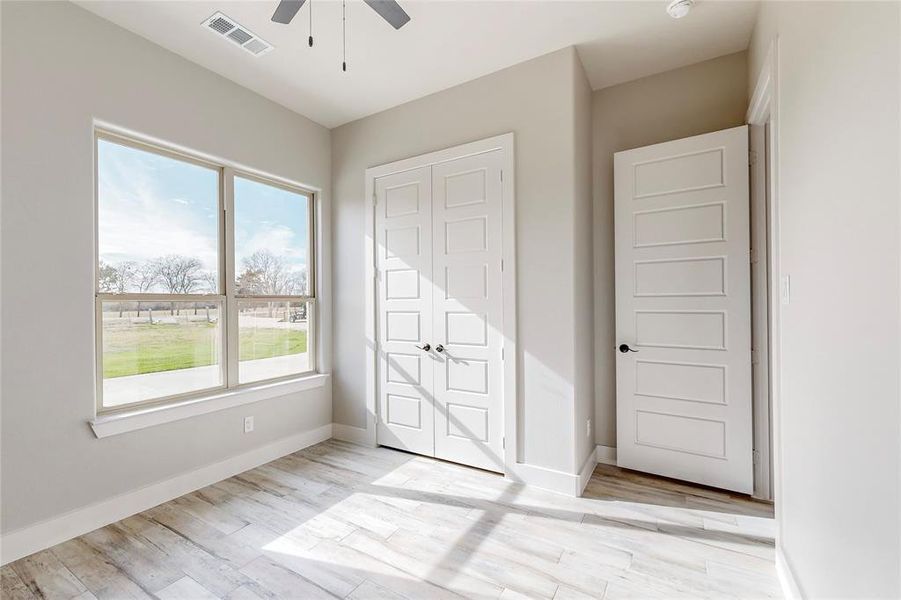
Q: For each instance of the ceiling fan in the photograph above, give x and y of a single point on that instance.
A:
(387, 9)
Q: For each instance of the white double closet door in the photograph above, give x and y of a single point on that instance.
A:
(440, 310)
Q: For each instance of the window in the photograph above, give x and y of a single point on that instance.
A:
(204, 276)
(272, 279)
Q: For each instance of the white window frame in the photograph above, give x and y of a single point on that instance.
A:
(227, 296)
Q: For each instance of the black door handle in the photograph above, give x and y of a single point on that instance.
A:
(425, 347)
(625, 348)
(439, 348)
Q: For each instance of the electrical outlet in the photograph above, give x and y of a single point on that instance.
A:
(248, 424)
(588, 428)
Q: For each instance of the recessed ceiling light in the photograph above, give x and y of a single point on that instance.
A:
(679, 8)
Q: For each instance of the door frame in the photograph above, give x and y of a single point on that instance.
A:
(504, 143)
(762, 112)
(763, 109)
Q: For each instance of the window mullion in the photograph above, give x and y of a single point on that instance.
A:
(232, 345)
(274, 298)
(156, 297)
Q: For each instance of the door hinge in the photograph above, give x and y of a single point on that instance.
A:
(502, 174)
(504, 443)
(755, 457)
(502, 353)
(375, 198)
(755, 357)
(752, 157)
(502, 265)
(753, 255)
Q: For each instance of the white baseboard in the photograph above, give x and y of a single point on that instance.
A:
(354, 435)
(560, 481)
(31, 539)
(790, 588)
(606, 455)
(587, 469)
(548, 479)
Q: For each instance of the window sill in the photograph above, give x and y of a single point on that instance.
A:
(105, 426)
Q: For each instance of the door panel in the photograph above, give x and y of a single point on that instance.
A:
(439, 282)
(468, 310)
(403, 223)
(683, 301)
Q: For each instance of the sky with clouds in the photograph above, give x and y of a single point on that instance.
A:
(152, 205)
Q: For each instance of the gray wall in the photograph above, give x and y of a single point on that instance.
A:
(583, 309)
(697, 99)
(62, 68)
(536, 101)
(839, 498)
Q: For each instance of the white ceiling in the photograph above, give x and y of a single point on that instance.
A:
(445, 43)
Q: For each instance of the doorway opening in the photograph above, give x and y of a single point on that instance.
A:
(700, 403)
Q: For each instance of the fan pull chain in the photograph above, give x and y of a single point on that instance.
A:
(311, 23)
(344, 34)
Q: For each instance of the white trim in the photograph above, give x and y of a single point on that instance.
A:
(185, 152)
(45, 534)
(763, 109)
(760, 312)
(790, 588)
(369, 332)
(116, 423)
(505, 143)
(547, 479)
(349, 433)
(585, 473)
(232, 330)
(764, 89)
(606, 455)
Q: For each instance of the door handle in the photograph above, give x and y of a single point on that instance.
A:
(439, 348)
(425, 347)
(625, 348)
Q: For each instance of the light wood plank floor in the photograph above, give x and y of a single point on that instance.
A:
(338, 520)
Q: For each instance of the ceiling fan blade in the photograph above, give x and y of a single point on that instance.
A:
(390, 11)
(286, 10)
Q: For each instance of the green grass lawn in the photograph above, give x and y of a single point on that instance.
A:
(133, 349)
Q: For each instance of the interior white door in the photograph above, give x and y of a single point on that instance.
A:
(683, 303)
(440, 310)
(468, 310)
(403, 229)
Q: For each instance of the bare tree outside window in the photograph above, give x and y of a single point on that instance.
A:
(271, 272)
(179, 274)
(118, 278)
(296, 283)
(249, 282)
(265, 274)
(210, 285)
(146, 277)
(107, 277)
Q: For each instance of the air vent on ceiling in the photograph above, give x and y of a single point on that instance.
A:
(228, 28)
